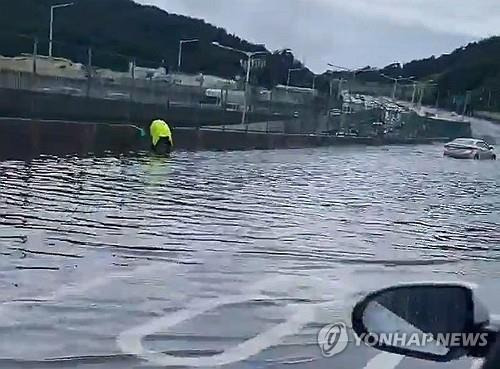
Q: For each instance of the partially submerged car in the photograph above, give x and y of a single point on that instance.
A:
(469, 148)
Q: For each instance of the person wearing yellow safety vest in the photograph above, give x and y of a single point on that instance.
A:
(161, 137)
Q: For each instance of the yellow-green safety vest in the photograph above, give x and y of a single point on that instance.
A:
(160, 129)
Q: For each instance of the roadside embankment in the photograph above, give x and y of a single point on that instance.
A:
(27, 138)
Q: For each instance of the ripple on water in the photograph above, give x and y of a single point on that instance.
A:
(93, 246)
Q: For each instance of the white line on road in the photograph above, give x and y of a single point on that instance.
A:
(385, 360)
(130, 341)
(477, 364)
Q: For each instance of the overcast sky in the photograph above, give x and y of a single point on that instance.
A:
(352, 33)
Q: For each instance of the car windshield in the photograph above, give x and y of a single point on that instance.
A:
(212, 183)
(465, 142)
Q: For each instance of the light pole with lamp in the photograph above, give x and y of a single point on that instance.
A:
(182, 42)
(423, 87)
(354, 72)
(249, 56)
(51, 31)
(396, 81)
(413, 95)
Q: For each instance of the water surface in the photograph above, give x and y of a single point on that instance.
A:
(233, 259)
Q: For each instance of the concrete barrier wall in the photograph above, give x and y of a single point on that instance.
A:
(26, 138)
(417, 126)
(188, 139)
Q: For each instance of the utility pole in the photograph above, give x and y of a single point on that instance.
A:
(51, 28)
(466, 102)
(89, 69)
(413, 94)
(247, 83)
(437, 99)
(422, 92)
(249, 56)
(394, 90)
(339, 92)
(182, 42)
(35, 54)
(396, 80)
(352, 72)
(132, 75)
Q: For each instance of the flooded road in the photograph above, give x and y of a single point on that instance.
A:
(234, 259)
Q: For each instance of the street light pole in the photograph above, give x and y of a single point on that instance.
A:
(413, 94)
(354, 72)
(51, 30)
(182, 42)
(245, 97)
(395, 89)
(396, 80)
(339, 92)
(421, 90)
(249, 56)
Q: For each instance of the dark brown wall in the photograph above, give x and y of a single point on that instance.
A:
(26, 138)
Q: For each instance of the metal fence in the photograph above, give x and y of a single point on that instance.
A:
(80, 71)
(96, 73)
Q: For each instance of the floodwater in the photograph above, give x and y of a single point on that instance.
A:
(230, 259)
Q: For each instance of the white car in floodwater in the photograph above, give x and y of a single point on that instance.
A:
(469, 148)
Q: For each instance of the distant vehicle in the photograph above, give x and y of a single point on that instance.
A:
(335, 112)
(469, 148)
(265, 95)
(117, 96)
(44, 90)
(70, 90)
(346, 108)
(61, 90)
(351, 133)
(233, 107)
(210, 100)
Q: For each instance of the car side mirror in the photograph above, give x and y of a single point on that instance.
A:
(430, 321)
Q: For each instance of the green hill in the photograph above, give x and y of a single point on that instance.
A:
(119, 30)
(474, 68)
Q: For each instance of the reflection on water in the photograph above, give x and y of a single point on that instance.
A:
(104, 259)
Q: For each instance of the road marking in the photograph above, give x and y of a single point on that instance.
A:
(384, 360)
(130, 341)
(477, 364)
